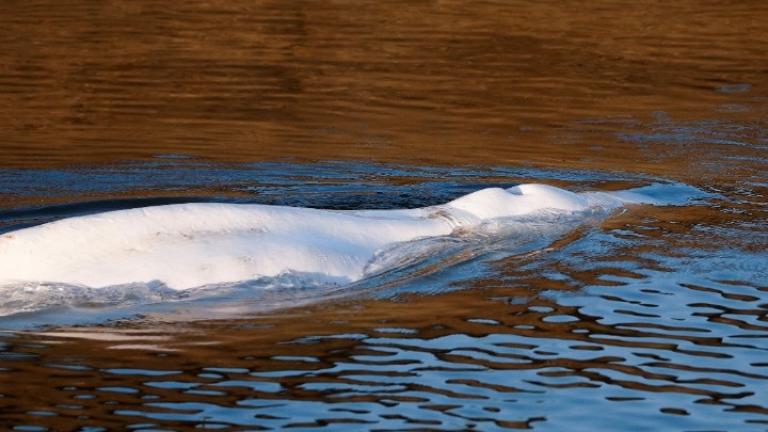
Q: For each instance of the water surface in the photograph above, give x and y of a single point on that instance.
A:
(654, 318)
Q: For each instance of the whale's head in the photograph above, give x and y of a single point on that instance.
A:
(495, 202)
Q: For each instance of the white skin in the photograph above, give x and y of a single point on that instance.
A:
(192, 245)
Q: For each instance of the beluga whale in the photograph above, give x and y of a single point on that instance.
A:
(185, 246)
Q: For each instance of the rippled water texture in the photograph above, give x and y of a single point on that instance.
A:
(651, 318)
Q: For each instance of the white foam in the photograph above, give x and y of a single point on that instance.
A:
(192, 245)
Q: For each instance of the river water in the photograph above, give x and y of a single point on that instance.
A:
(650, 318)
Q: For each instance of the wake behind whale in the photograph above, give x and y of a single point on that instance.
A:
(183, 247)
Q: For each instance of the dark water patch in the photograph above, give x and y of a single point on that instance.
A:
(321, 180)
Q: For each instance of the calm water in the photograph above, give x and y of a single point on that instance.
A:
(655, 318)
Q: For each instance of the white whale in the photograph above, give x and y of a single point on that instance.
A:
(192, 245)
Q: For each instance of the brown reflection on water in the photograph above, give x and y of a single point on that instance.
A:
(404, 358)
(543, 83)
(657, 314)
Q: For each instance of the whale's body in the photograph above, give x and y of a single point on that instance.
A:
(192, 245)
